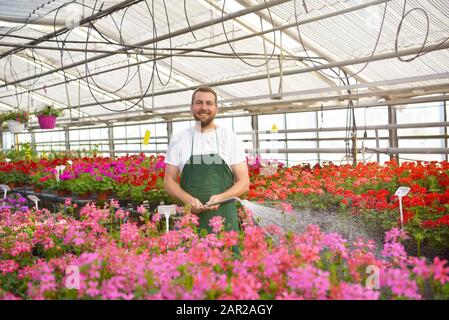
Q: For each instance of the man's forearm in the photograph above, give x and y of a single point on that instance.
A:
(175, 190)
(237, 189)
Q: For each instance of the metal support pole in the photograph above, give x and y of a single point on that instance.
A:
(317, 137)
(445, 128)
(67, 138)
(16, 141)
(285, 136)
(354, 149)
(255, 134)
(377, 145)
(111, 139)
(33, 141)
(1, 136)
(393, 132)
(169, 130)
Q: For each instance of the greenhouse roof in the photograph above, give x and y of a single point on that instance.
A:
(116, 60)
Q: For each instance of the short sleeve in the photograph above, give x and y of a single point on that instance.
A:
(238, 154)
(172, 154)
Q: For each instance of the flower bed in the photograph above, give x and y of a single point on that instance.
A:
(367, 190)
(45, 256)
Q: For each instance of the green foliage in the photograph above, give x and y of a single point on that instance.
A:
(19, 116)
(49, 110)
(102, 184)
(82, 184)
(24, 152)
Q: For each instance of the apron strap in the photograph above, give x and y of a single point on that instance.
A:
(216, 140)
(193, 135)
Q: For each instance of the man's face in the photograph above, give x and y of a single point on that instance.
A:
(204, 108)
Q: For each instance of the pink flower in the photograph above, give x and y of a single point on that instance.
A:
(286, 207)
(230, 238)
(129, 233)
(121, 214)
(440, 272)
(8, 266)
(216, 223)
(394, 250)
(156, 218)
(313, 283)
(19, 248)
(68, 202)
(141, 209)
(335, 243)
(114, 204)
(420, 267)
(354, 291)
(394, 235)
(9, 296)
(400, 284)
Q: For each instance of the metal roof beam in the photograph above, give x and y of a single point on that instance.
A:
(307, 43)
(378, 57)
(150, 41)
(49, 100)
(185, 30)
(239, 21)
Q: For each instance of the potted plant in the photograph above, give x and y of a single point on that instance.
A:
(16, 120)
(40, 181)
(82, 186)
(47, 117)
(102, 185)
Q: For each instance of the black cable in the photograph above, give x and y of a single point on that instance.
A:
(149, 84)
(187, 19)
(307, 53)
(420, 52)
(155, 50)
(233, 50)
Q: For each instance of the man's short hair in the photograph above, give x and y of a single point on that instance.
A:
(204, 89)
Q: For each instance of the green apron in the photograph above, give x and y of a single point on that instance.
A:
(204, 176)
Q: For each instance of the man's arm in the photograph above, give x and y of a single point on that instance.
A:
(240, 186)
(173, 188)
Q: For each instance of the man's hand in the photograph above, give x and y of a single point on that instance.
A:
(212, 199)
(195, 205)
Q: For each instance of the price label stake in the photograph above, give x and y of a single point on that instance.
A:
(401, 192)
(5, 189)
(35, 199)
(167, 211)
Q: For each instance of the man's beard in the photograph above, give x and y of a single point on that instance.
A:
(204, 123)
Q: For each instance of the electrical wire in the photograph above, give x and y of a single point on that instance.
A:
(62, 40)
(187, 19)
(420, 52)
(232, 48)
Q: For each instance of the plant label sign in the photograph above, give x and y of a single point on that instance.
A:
(5, 187)
(32, 197)
(167, 210)
(402, 191)
(35, 199)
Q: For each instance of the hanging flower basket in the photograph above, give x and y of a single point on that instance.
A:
(47, 117)
(15, 126)
(47, 121)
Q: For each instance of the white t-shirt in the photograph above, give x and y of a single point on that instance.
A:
(180, 147)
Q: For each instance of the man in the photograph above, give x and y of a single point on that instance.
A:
(212, 163)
